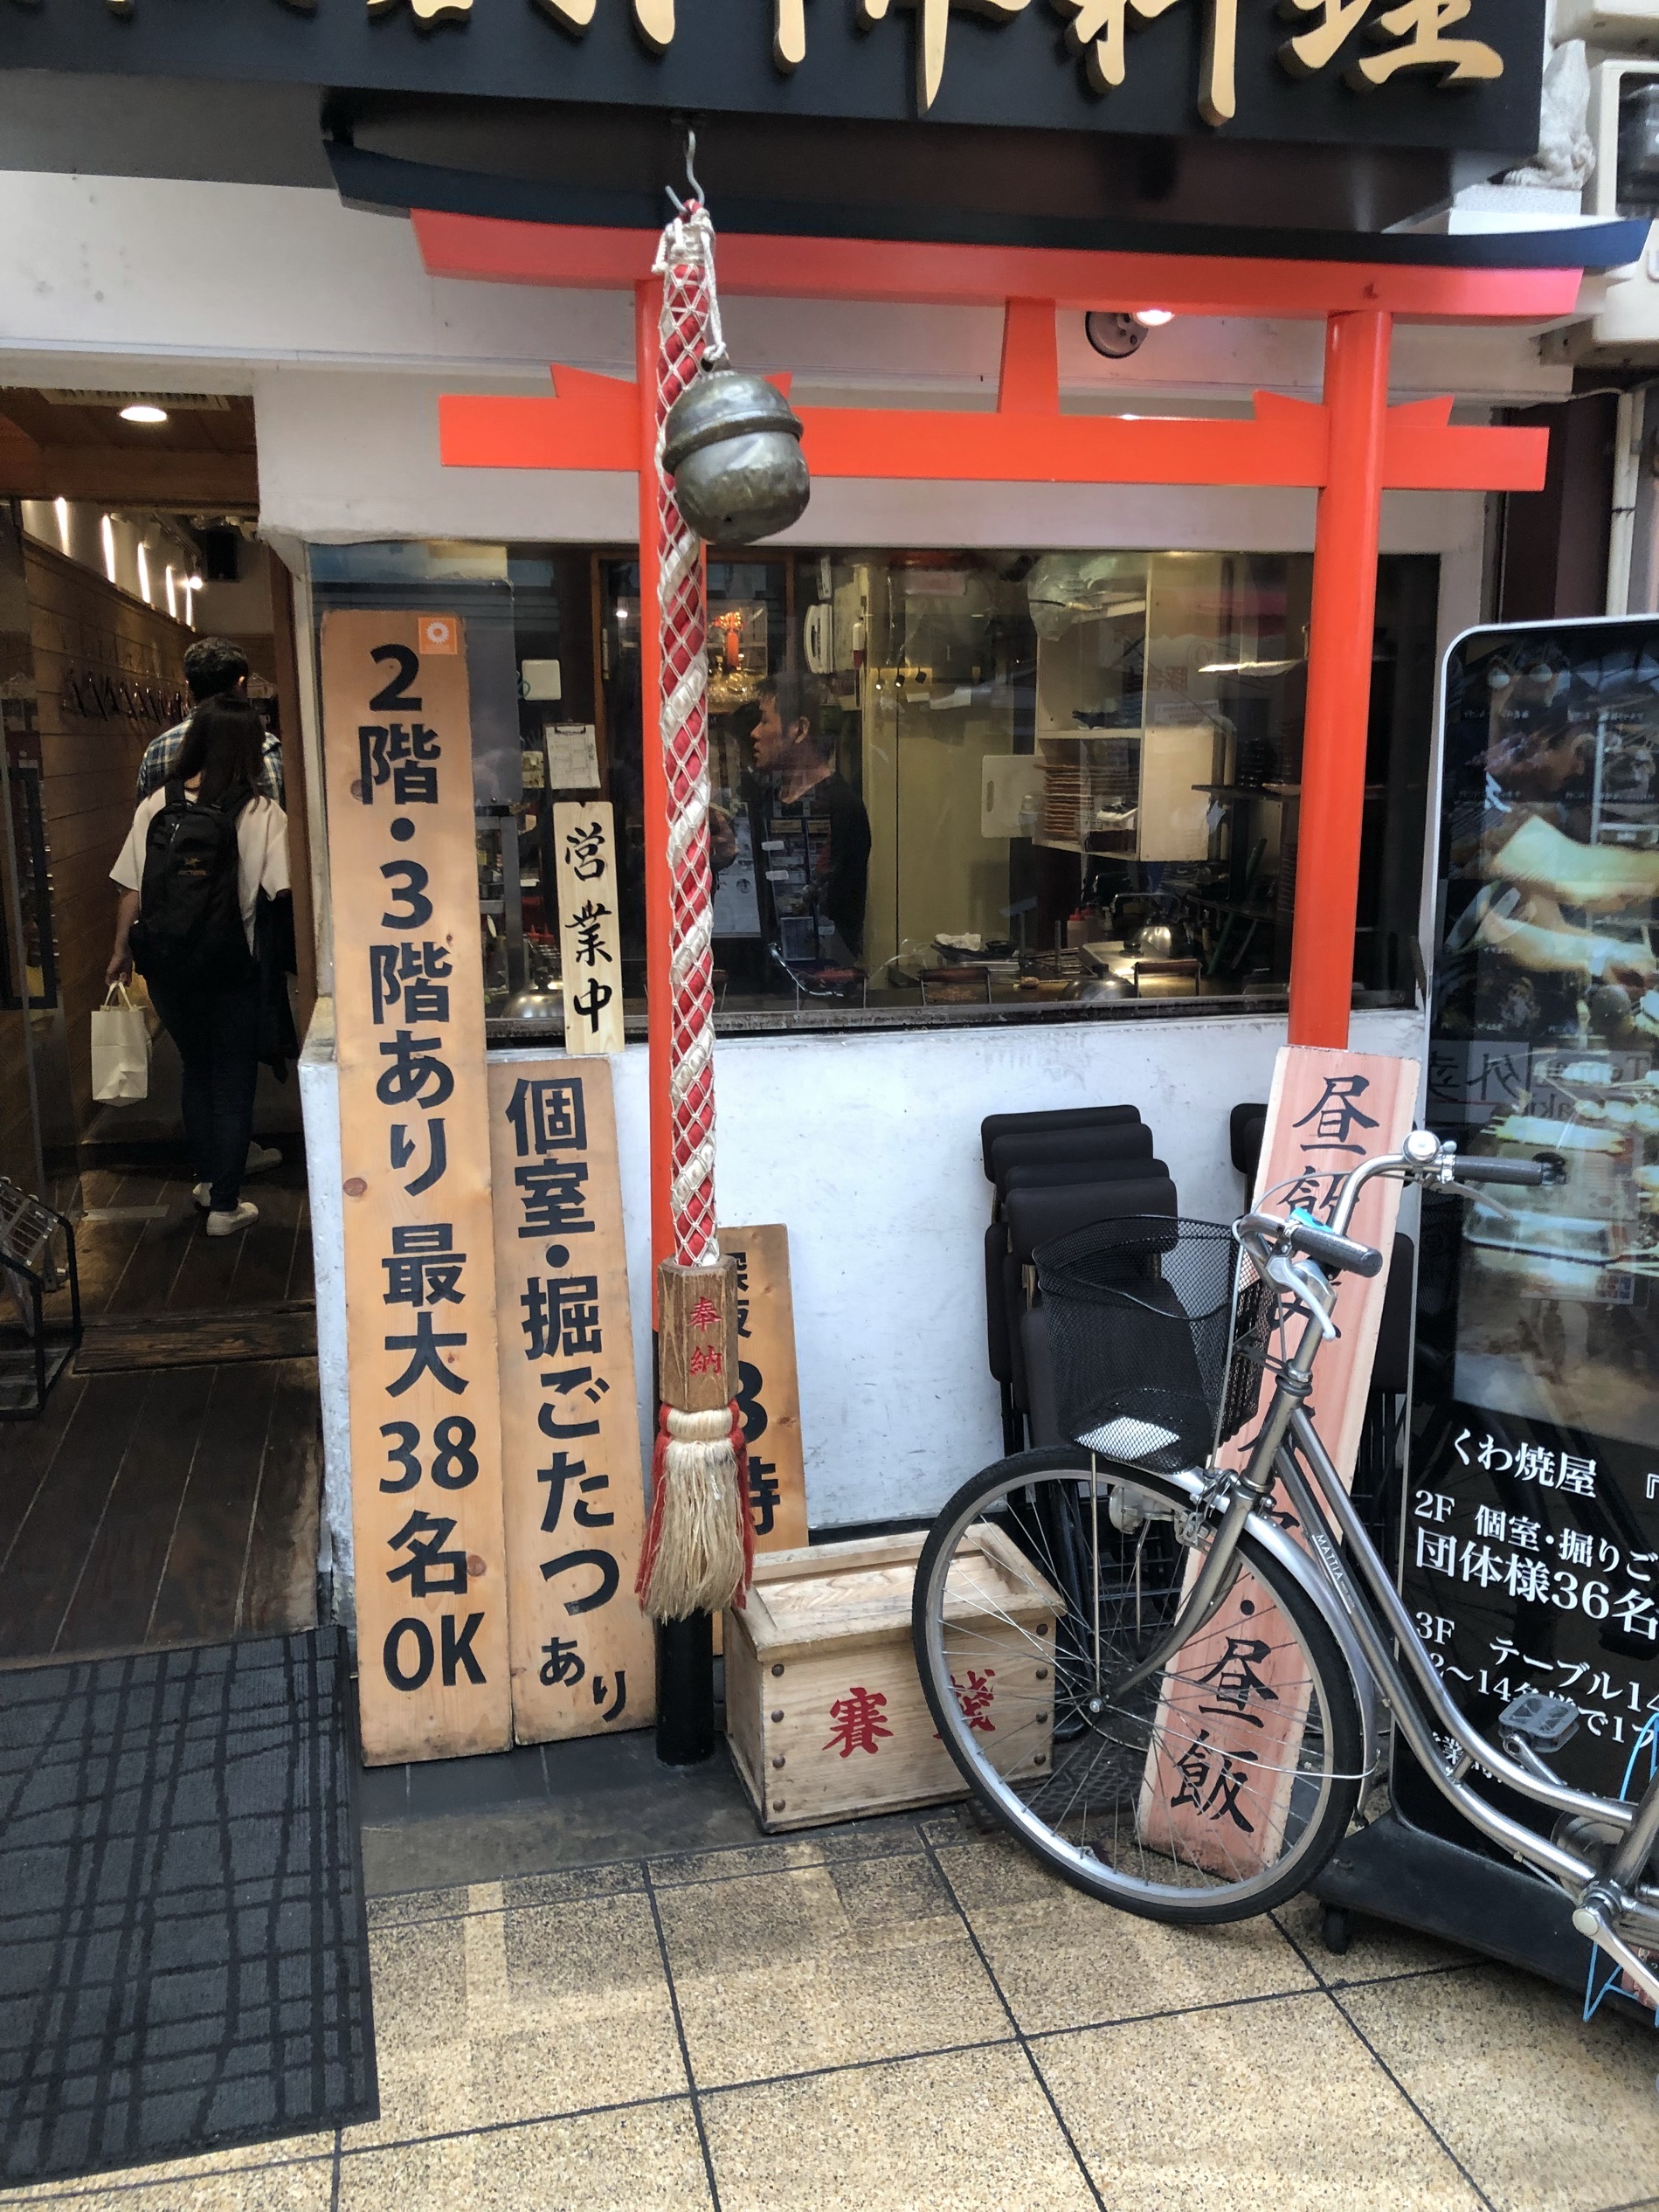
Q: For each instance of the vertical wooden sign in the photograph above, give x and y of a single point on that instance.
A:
(1224, 1802)
(769, 1397)
(589, 940)
(583, 1654)
(414, 1138)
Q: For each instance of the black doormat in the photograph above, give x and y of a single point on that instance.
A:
(183, 1959)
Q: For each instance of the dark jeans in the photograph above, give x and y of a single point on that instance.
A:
(217, 1035)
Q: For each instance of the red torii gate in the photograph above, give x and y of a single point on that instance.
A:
(1351, 445)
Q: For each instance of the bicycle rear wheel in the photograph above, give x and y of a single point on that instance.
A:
(1209, 1791)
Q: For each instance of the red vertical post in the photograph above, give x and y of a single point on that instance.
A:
(647, 304)
(1342, 623)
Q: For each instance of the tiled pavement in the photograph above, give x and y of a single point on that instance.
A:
(909, 2013)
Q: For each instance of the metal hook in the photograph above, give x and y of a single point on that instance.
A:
(691, 174)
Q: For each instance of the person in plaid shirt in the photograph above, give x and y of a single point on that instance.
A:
(214, 668)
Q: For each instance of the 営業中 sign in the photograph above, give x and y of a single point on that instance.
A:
(584, 857)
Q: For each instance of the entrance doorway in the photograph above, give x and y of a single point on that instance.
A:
(167, 1492)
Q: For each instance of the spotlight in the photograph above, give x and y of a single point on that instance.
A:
(1153, 318)
(1116, 336)
(140, 411)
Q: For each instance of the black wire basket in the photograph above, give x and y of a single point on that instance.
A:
(1157, 1333)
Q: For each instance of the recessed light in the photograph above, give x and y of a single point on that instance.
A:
(1154, 318)
(140, 411)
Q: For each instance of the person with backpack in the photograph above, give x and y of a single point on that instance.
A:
(199, 852)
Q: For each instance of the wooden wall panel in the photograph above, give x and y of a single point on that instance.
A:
(108, 676)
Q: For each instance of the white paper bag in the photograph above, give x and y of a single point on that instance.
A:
(120, 1049)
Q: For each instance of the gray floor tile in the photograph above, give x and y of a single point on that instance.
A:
(519, 2014)
(1275, 2107)
(971, 2131)
(643, 2161)
(1549, 2113)
(298, 2186)
(1066, 1960)
(1376, 1953)
(824, 1965)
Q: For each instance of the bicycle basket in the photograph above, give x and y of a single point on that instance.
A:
(1157, 1330)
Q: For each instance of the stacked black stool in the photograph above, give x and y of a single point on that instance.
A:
(1052, 1173)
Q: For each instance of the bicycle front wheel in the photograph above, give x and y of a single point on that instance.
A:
(1209, 1791)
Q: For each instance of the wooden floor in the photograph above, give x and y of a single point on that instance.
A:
(142, 1250)
(175, 1502)
(178, 1506)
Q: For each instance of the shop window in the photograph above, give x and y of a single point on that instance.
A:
(940, 780)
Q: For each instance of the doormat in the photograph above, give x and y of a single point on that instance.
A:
(183, 1957)
(113, 1345)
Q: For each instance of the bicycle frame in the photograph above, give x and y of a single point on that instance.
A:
(1612, 1901)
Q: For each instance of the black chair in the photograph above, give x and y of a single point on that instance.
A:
(1246, 1128)
(1069, 1117)
(1039, 1217)
(1091, 1144)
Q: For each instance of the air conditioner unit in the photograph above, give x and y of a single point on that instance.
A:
(1623, 120)
(1621, 26)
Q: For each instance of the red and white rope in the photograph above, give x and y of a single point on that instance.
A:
(689, 328)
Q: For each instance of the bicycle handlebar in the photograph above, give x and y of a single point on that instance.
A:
(1531, 1175)
(1343, 1254)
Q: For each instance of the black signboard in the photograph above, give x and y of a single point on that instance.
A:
(1530, 1552)
(1531, 1562)
(1426, 73)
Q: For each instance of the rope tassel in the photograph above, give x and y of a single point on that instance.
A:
(700, 1547)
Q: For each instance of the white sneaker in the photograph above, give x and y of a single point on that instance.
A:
(259, 1158)
(203, 1193)
(227, 1224)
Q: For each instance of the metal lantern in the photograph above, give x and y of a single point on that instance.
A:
(732, 444)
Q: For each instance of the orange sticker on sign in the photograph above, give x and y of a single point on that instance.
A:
(440, 633)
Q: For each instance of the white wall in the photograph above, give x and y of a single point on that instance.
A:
(868, 1148)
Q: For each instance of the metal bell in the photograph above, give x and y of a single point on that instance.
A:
(732, 444)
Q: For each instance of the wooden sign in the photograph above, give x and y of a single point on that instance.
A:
(589, 941)
(414, 1139)
(1224, 1802)
(583, 1655)
(769, 1395)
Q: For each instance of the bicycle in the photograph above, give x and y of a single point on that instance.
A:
(1161, 1672)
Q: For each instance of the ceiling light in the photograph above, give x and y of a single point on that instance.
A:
(1153, 318)
(61, 509)
(142, 410)
(193, 582)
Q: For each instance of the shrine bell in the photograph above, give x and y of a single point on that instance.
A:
(732, 444)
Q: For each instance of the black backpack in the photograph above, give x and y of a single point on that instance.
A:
(188, 930)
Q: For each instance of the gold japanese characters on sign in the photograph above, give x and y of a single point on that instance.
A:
(1413, 38)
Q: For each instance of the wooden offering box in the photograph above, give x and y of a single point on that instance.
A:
(825, 1713)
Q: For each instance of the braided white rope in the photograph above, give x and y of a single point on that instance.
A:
(688, 327)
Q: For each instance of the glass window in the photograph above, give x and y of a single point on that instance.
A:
(938, 779)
